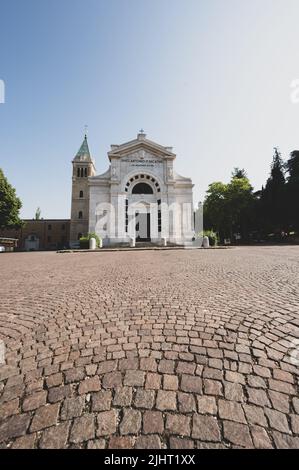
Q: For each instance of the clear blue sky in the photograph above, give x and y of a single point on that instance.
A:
(209, 77)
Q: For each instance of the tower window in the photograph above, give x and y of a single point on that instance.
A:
(85, 172)
(78, 172)
(80, 215)
(82, 172)
(81, 194)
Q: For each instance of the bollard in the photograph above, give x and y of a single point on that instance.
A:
(132, 243)
(164, 241)
(206, 242)
(92, 244)
(101, 243)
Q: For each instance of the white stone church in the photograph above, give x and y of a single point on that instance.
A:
(140, 197)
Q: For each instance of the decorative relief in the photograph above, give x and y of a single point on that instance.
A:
(170, 172)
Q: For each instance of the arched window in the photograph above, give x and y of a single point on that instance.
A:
(78, 172)
(80, 215)
(81, 194)
(81, 173)
(142, 188)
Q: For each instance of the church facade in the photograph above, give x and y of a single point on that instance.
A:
(140, 197)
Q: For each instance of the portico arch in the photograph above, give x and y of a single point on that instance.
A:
(143, 217)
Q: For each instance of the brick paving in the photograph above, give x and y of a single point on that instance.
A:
(166, 349)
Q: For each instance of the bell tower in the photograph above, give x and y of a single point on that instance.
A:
(83, 167)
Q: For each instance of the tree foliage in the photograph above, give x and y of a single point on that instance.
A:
(273, 197)
(10, 205)
(292, 190)
(234, 208)
(228, 207)
(38, 214)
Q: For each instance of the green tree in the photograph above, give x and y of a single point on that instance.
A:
(37, 214)
(10, 205)
(228, 208)
(239, 173)
(214, 209)
(292, 190)
(273, 198)
(240, 203)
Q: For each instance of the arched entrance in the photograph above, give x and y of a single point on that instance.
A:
(143, 204)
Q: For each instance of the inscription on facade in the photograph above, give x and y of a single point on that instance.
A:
(143, 163)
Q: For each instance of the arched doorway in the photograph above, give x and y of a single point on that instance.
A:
(143, 204)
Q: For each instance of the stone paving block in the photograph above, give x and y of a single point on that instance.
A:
(205, 428)
(83, 429)
(277, 420)
(144, 399)
(153, 381)
(134, 378)
(166, 400)
(213, 387)
(15, 426)
(56, 394)
(107, 423)
(237, 434)
(186, 402)
(72, 408)
(170, 382)
(34, 401)
(131, 422)
(280, 401)
(101, 401)
(45, 417)
(255, 415)
(55, 437)
(260, 438)
(178, 424)
(190, 383)
(153, 422)
(112, 380)
(206, 405)
(231, 411)
(88, 385)
(9, 408)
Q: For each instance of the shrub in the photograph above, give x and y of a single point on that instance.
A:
(84, 241)
(213, 237)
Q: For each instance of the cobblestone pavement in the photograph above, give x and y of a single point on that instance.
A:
(164, 349)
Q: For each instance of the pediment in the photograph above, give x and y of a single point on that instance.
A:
(141, 150)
